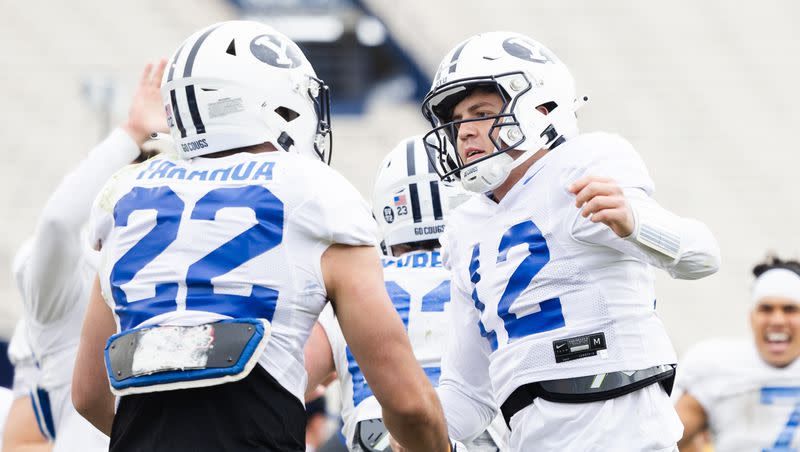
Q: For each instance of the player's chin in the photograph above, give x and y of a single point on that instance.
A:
(781, 354)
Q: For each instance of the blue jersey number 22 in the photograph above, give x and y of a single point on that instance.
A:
(550, 315)
(266, 234)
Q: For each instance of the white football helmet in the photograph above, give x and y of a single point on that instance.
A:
(526, 75)
(241, 83)
(409, 201)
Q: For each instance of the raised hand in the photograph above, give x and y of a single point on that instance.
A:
(146, 114)
(603, 199)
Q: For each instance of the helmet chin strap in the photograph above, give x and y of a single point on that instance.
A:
(489, 174)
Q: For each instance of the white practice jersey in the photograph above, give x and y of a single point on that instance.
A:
(54, 269)
(420, 290)
(26, 370)
(54, 272)
(189, 242)
(750, 405)
(541, 293)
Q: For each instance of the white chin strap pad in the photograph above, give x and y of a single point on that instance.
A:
(487, 175)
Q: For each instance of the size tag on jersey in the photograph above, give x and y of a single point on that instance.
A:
(579, 347)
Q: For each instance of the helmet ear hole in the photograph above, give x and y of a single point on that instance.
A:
(548, 107)
(287, 113)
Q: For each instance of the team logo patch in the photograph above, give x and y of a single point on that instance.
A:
(388, 214)
(528, 50)
(276, 51)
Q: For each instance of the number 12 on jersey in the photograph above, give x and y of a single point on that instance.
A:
(549, 316)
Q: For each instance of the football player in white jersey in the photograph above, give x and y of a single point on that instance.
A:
(23, 428)
(216, 262)
(410, 205)
(552, 286)
(747, 392)
(54, 269)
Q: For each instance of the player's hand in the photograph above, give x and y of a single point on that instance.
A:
(146, 114)
(603, 199)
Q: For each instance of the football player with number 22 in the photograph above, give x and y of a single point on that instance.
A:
(217, 259)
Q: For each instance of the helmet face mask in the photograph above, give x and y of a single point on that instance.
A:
(239, 83)
(527, 76)
(323, 139)
(504, 133)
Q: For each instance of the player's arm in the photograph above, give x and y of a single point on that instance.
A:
(630, 221)
(319, 361)
(353, 279)
(464, 386)
(56, 242)
(91, 394)
(693, 416)
(21, 432)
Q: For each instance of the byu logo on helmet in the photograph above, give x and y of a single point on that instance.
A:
(528, 50)
(275, 51)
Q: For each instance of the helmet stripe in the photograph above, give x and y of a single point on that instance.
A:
(431, 169)
(176, 113)
(456, 54)
(437, 200)
(191, 99)
(173, 63)
(410, 163)
(187, 69)
(415, 210)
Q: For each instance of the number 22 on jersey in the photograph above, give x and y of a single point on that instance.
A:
(265, 235)
(549, 316)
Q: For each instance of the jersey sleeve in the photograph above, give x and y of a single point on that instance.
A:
(337, 213)
(26, 373)
(46, 275)
(464, 386)
(684, 247)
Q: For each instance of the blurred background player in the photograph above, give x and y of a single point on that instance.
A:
(26, 424)
(54, 269)
(410, 205)
(216, 262)
(747, 392)
(553, 295)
